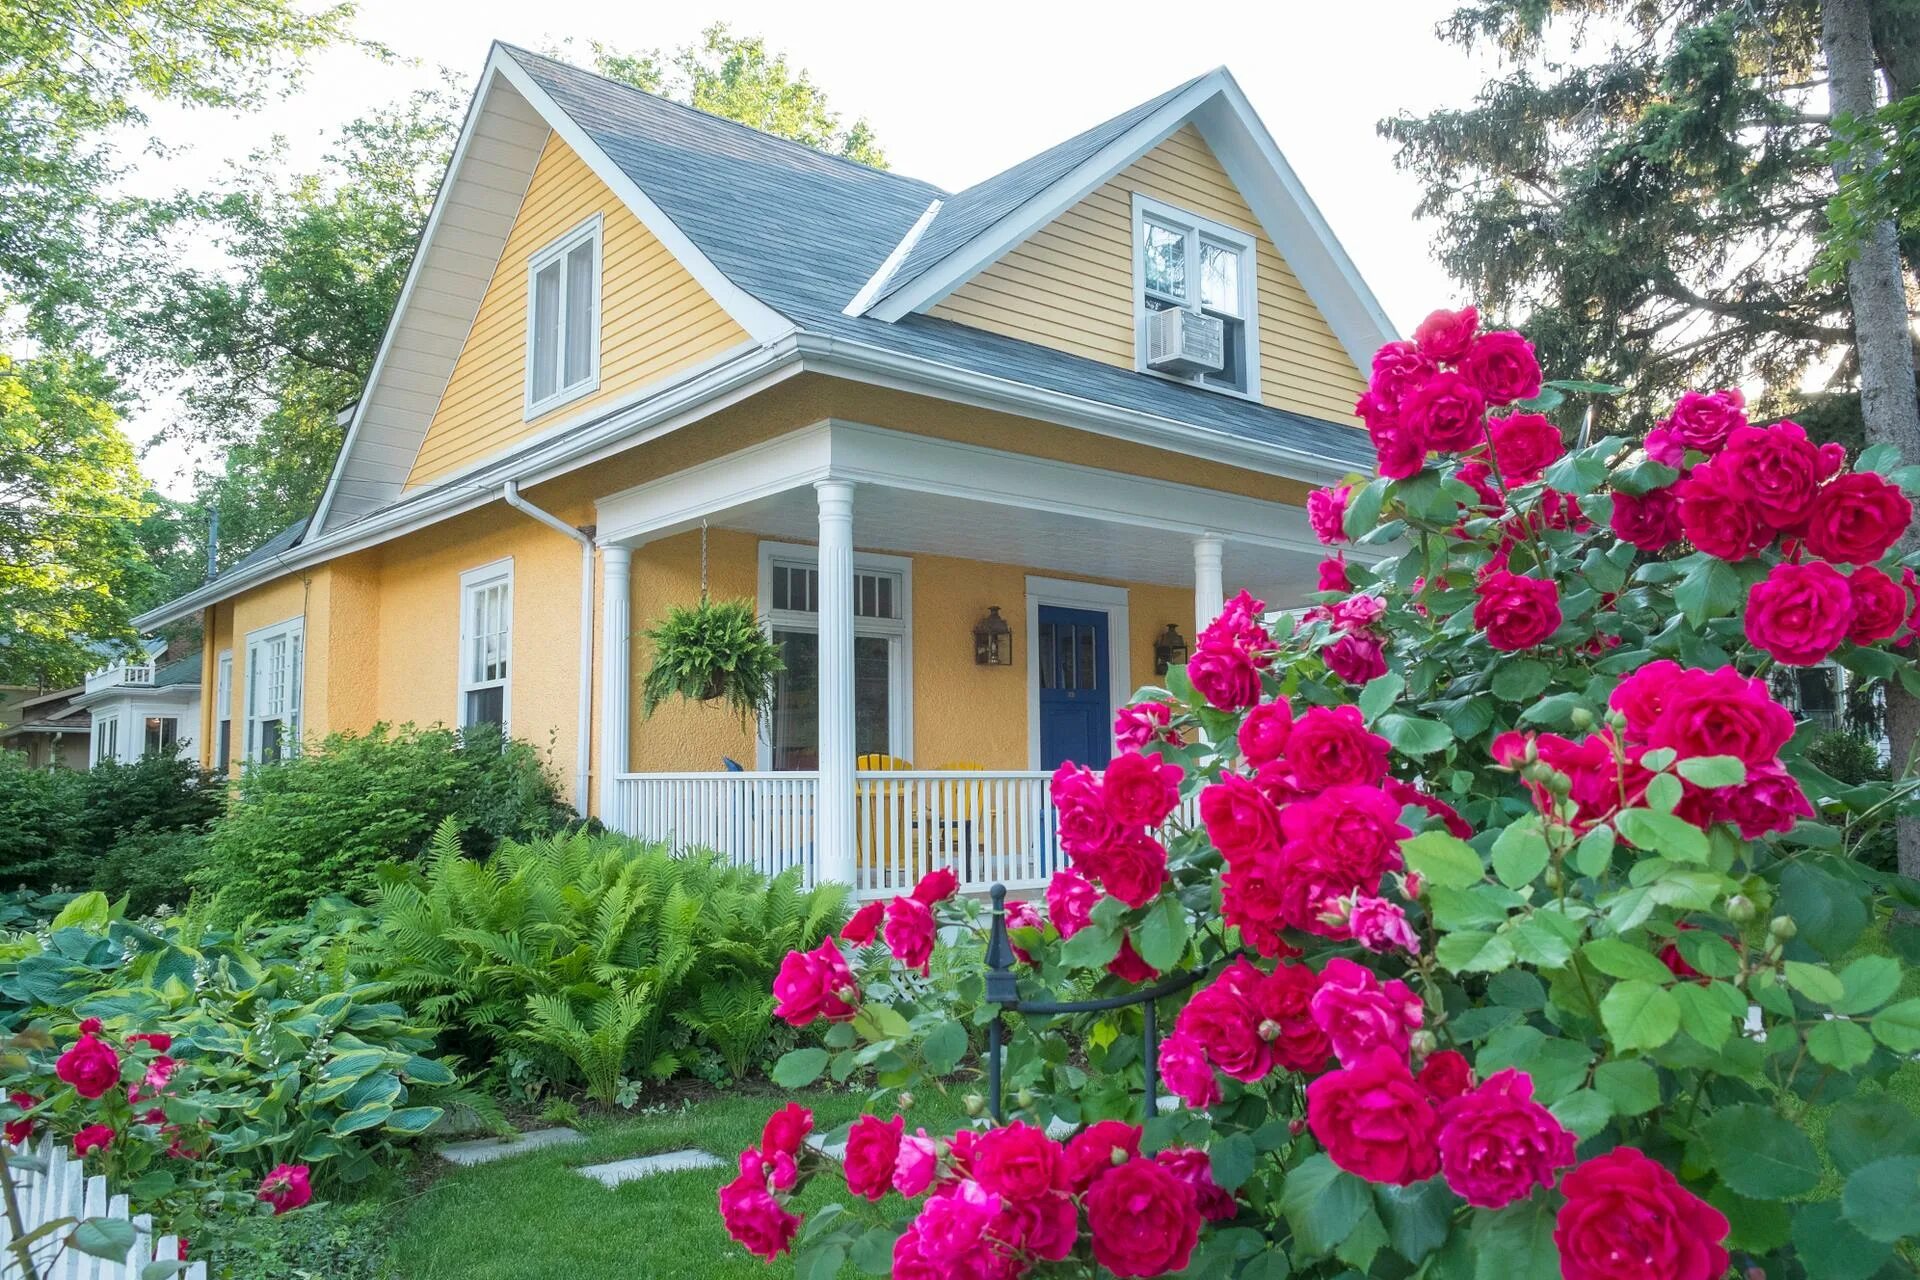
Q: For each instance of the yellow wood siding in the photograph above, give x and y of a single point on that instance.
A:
(655, 319)
(1069, 286)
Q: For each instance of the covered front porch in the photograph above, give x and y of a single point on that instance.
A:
(872, 554)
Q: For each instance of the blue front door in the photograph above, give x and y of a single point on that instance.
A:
(1075, 705)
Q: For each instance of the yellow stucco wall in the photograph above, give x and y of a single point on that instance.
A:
(1070, 285)
(655, 319)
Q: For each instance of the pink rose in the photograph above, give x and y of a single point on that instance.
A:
(1380, 925)
(1141, 724)
(1502, 367)
(1098, 1148)
(1356, 657)
(1046, 1227)
(1397, 366)
(914, 1167)
(1238, 818)
(1185, 1072)
(1331, 745)
(1224, 1022)
(936, 886)
(1446, 335)
(873, 1149)
(1141, 790)
(1703, 421)
(1326, 510)
(1144, 1220)
(90, 1066)
(1226, 678)
(1071, 899)
(1716, 515)
(1627, 1216)
(785, 1130)
(1447, 411)
(286, 1188)
(757, 1221)
(1721, 713)
(1777, 468)
(94, 1137)
(1355, 825)
(1641, 696)
(1799, 613)
(1515, 612)
(1769, 800)
(1879, 605)
(1333, 575)
(1524, 445)
(1650, 521)
(1857, 518)
(1022, 914)
(1400, 448)
(909, 933)
(1445, 1075)
(1084, 820)
(1497, 1144)
(1263, 733)
(1375, 1120)
(1017, 1161)
(1193, 1167)
(953, 1223)
(1360, 1013)
(864, 924)
(1129, 965)
(815, 984)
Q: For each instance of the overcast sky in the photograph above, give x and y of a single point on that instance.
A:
(955, 94)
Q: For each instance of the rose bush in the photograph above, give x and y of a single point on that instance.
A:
(1527, 940)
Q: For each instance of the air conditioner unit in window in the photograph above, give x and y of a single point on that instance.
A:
(1185, 342)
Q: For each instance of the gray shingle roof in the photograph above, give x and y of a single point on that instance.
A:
(803, 231)
(285, 540)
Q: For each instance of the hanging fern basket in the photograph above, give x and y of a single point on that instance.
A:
(712, 652)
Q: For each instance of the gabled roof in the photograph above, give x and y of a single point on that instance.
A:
(786, 237)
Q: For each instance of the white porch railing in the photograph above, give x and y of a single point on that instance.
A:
(137, 673)
(987, 825)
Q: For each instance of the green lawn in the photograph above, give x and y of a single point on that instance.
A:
(532, 1218)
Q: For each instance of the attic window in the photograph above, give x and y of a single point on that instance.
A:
(1185, 262)
(563, 319)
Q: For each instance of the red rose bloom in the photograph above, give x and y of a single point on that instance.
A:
(1263, 734)
(873, 1145)
(864, 924)
(1524, 445)
(1144, 1220)
(1448, 411)
(1017, 1161)
(1701, 421)
(1717, 517)
(1641, 695)
(1769, 800)
(1497, 1144)
(1142, 724)
(1129, 965)
(287, 1187)
(785, 1130)
(1400, 449)
(1333, 575)
(158, 1041)
(1397, 366)
(1446, 335)
(1356, 657)
(1445, 1075)
(1071, 899)
(1516, 612)
(1879, 605)
(1327, 510)
(18, 1131)
(1192, 1166)
(1358, 824)
(909, 933)
(1331, 745)
(90, 1066)
(936, 886)
(1502, 367)
(1376, 1121)
(1799, 613)
(1186, 1073)
(1225, 1022)
(95, 1137)
(1238, 818)
(1627, 1218)
(1857, 518)
(1141, 790)
(814, 984)
(1650, 521)
(1777, 469)
(1721, 713)
(1226, 678)
(1098, 1148)
(755, 1219)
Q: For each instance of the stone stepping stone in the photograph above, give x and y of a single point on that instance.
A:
(619, 1171)
(487, 1150)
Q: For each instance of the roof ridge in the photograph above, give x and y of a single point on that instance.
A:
(689, 108)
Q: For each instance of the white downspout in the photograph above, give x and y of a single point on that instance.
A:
(510, 493)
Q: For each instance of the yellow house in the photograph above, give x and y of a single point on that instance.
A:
(642, 349)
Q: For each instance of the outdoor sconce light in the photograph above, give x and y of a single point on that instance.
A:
(1169, 650)
(993, 640)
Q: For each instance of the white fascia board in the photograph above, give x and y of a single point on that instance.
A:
(943, 277)
(756, 317)
(878, 281)
(672, 504)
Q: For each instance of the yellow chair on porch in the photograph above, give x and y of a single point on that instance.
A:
(966, 813)
(886, 829)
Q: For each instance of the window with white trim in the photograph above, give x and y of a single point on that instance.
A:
(790, 601)
(162, 736)
(223, 714)
(106, 740)
(274, 671)
(486, 643)
(1182, 260)
(563, 319)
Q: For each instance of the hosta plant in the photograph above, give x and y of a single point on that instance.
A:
(1529, 943)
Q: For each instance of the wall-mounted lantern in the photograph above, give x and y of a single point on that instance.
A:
(1169, 650)
(993, 640)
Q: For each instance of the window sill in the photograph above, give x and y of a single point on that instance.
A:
(1253, 393)
(559, 399)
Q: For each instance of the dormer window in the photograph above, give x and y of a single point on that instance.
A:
(1183, 262)
(563, 319)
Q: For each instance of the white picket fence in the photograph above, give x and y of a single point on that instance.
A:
(64, 1190)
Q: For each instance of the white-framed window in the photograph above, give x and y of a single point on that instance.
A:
(223, 714)
(563, 319)
(274, 676)
(882, 655)
(486, 643)
(1181, 259)
(106, 740)
(161, 736)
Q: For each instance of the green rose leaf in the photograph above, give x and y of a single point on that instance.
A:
(1816, 982)
(1829, 1246)
(1584, 1111)
(1713, 771)
(1162, 937)
(1474, 952)
(1514, 1243)
(1621, 959)
(1898, 1026)
(1882, 1199)
(1521, 680)
(1417, 1217)
(1443, 859)
(1322, 1204)
(1594, 854)
(1865, 1128)
(799, 1068)
(103, 1238)
(1760, 1154)
(1232, 1159)
(1091, 948)
(1840, 1045)
(1520, 853)
(1663, 833)
(945, 1045)
(1632, 1086)
(1711, 589)
(1381, 693)
(1413, 736)
(1868, 983)
(1639, 1015)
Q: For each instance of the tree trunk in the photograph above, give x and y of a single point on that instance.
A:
(1883, 338)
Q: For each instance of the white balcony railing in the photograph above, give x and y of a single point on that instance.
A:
(126, 673)
(987, 825)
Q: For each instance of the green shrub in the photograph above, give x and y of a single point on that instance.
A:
(57, 826)
(37, 820)
(338, 1240)
(151, 869)
(599, 957)
(326, 821)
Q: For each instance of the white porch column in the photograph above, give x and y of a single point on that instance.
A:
(1209, 590)
(833, 822)
(616, 628)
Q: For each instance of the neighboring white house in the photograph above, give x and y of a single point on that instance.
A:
(143, 705)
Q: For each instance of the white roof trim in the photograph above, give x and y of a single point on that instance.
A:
(504, 74)
(1220, 110)
(878, 281)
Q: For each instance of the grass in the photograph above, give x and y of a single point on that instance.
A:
(533, 1218)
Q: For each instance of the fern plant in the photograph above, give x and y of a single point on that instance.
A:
(712, 651)
(597, 956)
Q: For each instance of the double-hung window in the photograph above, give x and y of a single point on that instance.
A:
(486, 643)
(563, 319)
(162, 736)
(1186, 261)
(274, 670)
(106, 739)
(790, 601)
(223, 714)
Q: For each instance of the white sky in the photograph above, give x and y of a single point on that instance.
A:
(955, 94)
